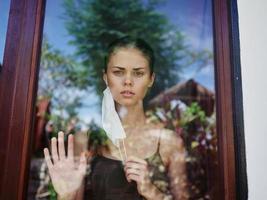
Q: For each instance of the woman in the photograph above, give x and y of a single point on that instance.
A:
(155, 163)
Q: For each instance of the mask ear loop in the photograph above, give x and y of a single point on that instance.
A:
(125, 154)
(120, 152)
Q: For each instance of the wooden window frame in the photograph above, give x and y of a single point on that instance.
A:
(18, 89)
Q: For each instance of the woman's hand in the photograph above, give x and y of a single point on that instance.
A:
(66, 176)
(136, 169)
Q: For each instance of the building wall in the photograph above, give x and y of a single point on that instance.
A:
(253, 41)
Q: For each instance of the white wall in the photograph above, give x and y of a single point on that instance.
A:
(253, 41)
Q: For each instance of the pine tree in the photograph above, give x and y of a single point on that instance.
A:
(93, 24)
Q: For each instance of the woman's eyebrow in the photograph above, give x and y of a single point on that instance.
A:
(138, 68)
(121, 68)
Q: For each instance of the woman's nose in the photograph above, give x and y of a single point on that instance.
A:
(128, 80)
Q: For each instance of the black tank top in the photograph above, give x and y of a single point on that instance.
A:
(107, 179)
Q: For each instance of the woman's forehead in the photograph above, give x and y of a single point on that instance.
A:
(128, 57)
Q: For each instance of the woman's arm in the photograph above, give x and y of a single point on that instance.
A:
(67, 179)
(78, 195)
(153, 193)
(173, 149)
(136, 169)
(173, 155)
(80, 192)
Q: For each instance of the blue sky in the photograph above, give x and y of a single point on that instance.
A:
(193, 17)
(4, 6)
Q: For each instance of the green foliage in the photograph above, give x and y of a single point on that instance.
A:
(193, 112)
(95, 23)
(97, 135)
(60, 80)
(52, 192)
(57, 71)
(199, 136)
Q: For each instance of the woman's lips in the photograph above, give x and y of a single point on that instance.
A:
(127, 93)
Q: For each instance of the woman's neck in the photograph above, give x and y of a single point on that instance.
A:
(132, 116)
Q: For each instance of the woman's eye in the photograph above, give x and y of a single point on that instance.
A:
(118, 72)
(139, 74)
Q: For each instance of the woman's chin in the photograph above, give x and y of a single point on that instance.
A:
(127, 102)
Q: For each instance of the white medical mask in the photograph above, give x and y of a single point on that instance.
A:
(111, 122)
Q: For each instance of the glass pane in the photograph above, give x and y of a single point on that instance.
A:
(4, 6)
(153, 132)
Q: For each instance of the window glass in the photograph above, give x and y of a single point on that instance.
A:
(4, 6)
(157, 59)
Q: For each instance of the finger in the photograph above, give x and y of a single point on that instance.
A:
(61, 146)
(136, 160)
(48, 159)
(54, 150)
(135, 165)
(82, 164)
(70, 148)
(133, 171)
(133, 177)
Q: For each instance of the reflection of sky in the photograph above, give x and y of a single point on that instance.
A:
(193, 17)
(54, 27)
(4, 6)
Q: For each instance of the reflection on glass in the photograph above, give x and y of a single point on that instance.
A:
(4, 5)
(165, 103)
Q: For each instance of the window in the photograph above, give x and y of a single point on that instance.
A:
(229, 155)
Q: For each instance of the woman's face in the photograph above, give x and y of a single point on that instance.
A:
(128, 76)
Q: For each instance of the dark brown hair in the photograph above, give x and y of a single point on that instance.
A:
(131, 42)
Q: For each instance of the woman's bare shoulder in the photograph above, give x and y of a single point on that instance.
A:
(170, 141)
(168, 134)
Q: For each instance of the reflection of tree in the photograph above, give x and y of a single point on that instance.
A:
(58, 80)
(95, 23)
(188, 109)
(203, 58)
(201, 143)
